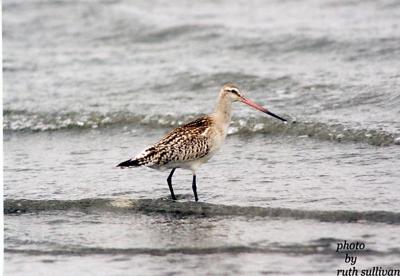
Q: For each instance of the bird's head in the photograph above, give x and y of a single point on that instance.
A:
(231, 91)
(234, 94)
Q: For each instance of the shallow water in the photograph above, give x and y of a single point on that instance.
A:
(89, 84)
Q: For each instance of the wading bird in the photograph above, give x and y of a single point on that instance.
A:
(191, 145)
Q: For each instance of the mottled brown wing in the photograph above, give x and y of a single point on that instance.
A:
(184, 143)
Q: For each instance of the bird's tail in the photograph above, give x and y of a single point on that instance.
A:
(129, 163)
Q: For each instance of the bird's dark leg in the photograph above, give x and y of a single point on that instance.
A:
(194, 187)
(169, 180)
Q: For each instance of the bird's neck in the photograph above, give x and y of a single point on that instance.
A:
(223, 112)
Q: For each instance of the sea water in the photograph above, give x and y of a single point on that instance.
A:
(88, 84)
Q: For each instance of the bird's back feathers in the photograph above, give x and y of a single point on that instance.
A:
(183, 144)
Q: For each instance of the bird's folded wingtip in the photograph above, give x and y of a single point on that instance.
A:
(128, 163)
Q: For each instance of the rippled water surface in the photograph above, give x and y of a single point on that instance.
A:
(89, 84)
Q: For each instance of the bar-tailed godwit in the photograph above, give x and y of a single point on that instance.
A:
(191, 145)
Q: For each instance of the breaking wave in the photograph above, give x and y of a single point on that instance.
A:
(165, 206)
(15, 120)
(312, 249)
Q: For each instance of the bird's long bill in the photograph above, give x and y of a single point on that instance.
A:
(259, 107)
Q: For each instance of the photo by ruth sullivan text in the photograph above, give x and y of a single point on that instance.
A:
(349, 249)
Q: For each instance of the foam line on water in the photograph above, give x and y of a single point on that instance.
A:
(16, 121)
